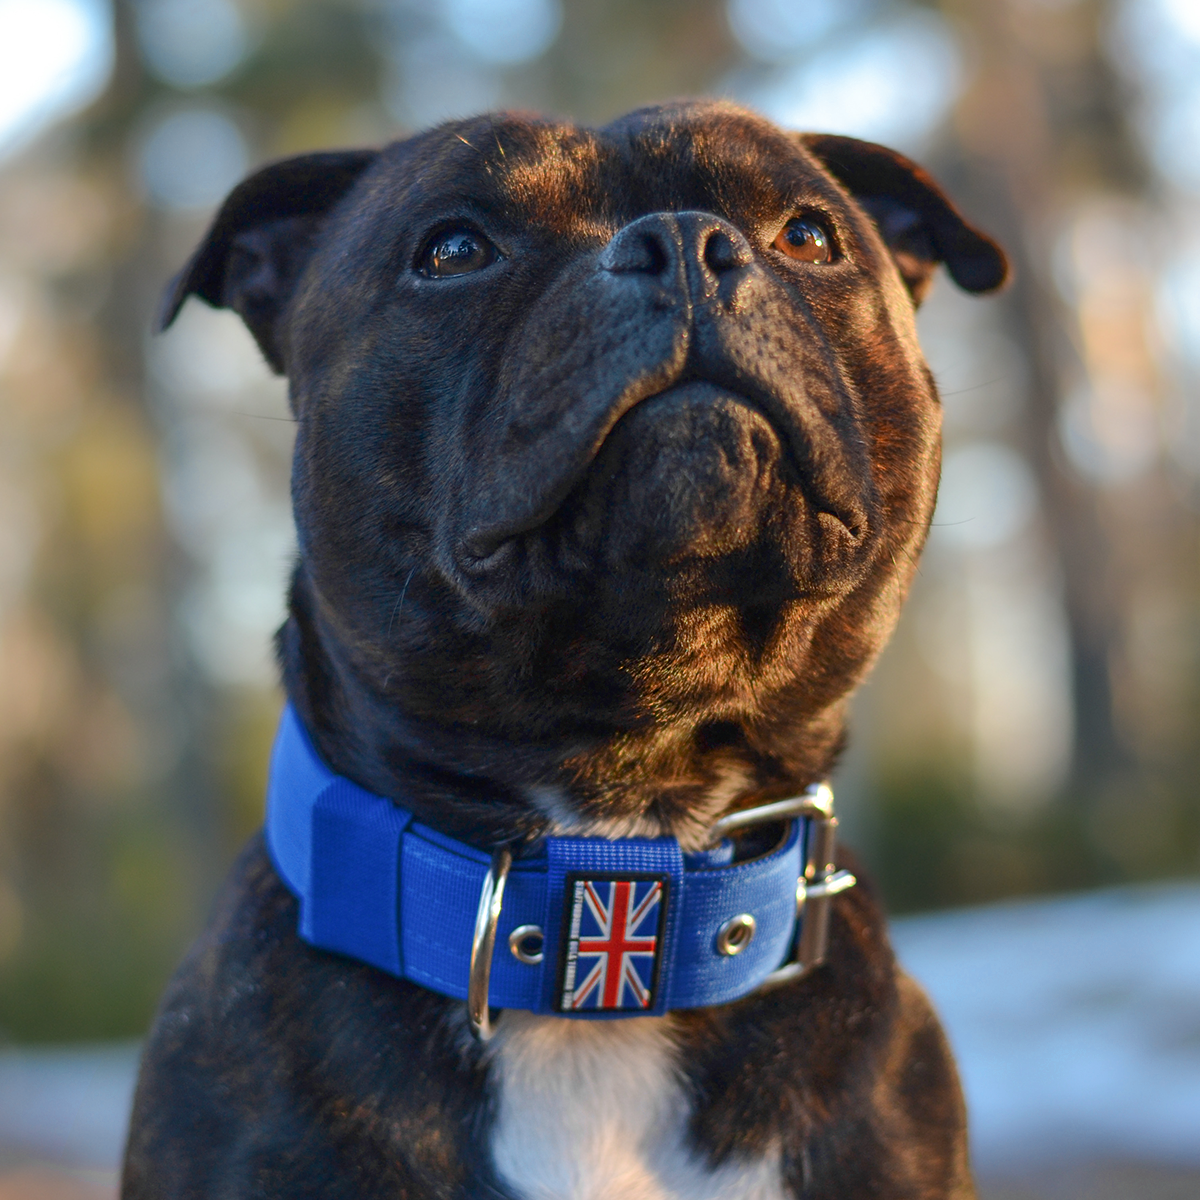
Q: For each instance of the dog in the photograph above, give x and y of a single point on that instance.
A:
(615, 452)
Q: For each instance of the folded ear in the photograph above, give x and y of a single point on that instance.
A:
(255, 250)
(918, 224)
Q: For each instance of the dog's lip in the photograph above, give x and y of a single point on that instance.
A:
(486, 546)
(483, 544)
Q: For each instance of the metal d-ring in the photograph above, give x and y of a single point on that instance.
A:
(487, 917)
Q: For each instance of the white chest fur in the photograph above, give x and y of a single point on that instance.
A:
(596, 1110)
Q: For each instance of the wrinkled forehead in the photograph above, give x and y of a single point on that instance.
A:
(568, 179)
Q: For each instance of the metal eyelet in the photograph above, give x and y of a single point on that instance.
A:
(735, 935)
(519, 943)
(487, 917)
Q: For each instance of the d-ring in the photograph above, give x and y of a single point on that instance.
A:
(491, 897)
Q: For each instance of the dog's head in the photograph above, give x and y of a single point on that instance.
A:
(615, 452)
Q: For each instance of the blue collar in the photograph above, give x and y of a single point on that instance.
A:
(587, 927)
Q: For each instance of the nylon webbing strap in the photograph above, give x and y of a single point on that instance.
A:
(630, 925)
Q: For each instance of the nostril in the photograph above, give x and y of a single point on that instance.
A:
(723, 253)
(640, 251)
(654, 256)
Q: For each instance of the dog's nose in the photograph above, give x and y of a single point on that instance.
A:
(660, 244)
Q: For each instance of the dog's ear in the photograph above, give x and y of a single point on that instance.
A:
(257, 246)
(919, 225)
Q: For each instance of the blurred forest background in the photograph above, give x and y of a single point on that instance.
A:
(1034, 726)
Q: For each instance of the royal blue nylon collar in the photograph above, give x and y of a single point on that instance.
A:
(380, 887)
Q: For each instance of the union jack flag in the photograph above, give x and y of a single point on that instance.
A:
(613, 936)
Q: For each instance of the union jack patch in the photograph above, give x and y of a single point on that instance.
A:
(613, 935)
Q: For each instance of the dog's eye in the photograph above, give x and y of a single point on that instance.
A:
(805, 241)
(457, 252)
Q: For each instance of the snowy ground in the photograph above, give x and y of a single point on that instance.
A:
(1076, 1022)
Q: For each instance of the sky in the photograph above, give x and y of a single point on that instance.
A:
(55, 57)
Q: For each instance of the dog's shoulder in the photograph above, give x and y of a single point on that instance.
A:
(255, 1080)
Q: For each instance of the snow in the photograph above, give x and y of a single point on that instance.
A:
(1076, 1022)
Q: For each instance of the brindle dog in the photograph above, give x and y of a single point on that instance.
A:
(615, 452)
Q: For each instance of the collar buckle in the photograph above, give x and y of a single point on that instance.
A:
(821, 880)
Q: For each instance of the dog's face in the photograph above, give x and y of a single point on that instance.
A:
(615, 451)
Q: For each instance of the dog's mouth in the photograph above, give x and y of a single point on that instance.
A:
(693, 471)
(696, 463)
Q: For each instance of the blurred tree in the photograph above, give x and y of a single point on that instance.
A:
(1040, 131)
(1049, 153)
(123, 766)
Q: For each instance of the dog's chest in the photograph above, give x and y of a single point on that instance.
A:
(597, 1110)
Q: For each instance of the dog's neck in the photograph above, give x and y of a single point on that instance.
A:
(486, 790)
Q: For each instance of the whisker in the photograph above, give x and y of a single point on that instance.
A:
(974, 387)
(400, 603)
(237, 412)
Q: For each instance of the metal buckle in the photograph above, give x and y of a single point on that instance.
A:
(821, 880)
(487, 917)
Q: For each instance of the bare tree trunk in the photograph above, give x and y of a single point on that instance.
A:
(1037, 134)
